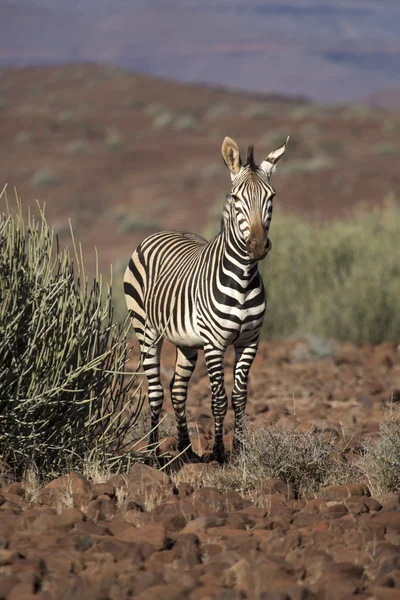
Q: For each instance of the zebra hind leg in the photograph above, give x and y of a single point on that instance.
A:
(219, 402)
(243, 360)
(150, 351)
(185, 364)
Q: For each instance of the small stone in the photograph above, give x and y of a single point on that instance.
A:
(275, 486)
(101, 510)
(102, 489)
(341, 492)
(68, 518)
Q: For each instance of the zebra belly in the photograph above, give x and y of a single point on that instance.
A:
(189, 339)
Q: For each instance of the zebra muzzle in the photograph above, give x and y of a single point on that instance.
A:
(258, 247)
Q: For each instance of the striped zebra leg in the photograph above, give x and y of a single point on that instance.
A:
(219, 402)
(185, 364)
(151, 351)
(243, 360)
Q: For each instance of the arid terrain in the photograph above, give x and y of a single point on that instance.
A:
(123, 155)
(150, 534)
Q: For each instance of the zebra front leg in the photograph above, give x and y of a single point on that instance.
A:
(186, 359)
(151, 366)
(243, 360)
(219, 402)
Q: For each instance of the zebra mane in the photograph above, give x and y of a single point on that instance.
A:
(225, 212)
(250, 159)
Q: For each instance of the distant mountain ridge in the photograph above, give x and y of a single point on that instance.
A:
(330, 51)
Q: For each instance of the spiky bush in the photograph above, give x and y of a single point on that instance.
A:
(380, 463)
(62, 391)
(305, 459)
(339, 280)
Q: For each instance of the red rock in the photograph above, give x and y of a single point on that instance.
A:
(314, 506)
(125, 532)
(153, 534)
(9, 506)
(357, 505)
(336, 507)
(143, 474)
(174, 523)
(186, 549)
(7, 557)
(6, 585)
(275, 486)
(67, 518)
(102, 489)
(240, 520)
(74, 483)
(164, 591)
(384, 593)
(101, 510)
(169, 445)
(391, 520)
(389, 502)
(184, 489)
(22, 591)
(341, 492)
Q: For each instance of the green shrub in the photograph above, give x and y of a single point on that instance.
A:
(259, 110)
(114, 141)
(386, 149)
(45, 177)
(185, 122)
(163, 120)
(76, 147)
(380, 463)
(62, 392)
(23, 137)
(306, 165)
(338, 280)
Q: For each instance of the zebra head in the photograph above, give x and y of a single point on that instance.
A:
(252, 195)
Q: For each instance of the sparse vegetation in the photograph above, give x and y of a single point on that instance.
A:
(62, 392)
(307, 165)
(386, 149)
(304, 459)
(76, 147)
(163, 120)
(339, 280)
(23, 137)
(381, 461)
(45, 177)
(185, 122)
(114, 141)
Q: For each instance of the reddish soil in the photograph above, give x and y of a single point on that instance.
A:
(172, 176)
(145, 536)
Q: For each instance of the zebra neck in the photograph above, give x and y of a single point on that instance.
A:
(235, 252)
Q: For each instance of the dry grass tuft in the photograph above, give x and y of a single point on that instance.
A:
(380, 463)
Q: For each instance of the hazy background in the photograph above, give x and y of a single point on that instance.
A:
(113, 113)
(330, 50)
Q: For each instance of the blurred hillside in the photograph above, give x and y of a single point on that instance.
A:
(326, 50)
(124, 154)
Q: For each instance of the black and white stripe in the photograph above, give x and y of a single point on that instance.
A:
(205, 295)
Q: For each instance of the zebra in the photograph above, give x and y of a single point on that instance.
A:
(206, 295)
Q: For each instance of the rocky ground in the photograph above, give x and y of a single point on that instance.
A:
(150, 534)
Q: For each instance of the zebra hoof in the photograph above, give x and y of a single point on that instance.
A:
(190, 457)
(215, 456)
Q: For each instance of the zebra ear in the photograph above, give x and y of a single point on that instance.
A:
(231, 155)
(268, 165)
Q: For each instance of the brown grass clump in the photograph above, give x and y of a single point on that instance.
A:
(380, 463)
(304, 459)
